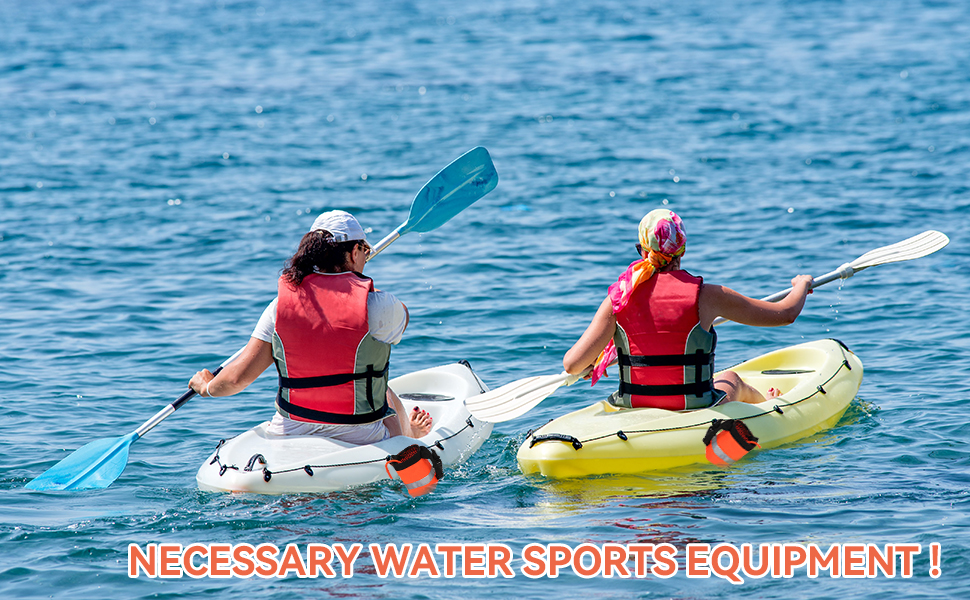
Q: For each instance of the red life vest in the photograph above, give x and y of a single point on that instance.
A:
(331, 369)
(666, 358)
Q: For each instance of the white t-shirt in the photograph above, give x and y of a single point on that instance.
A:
(386, 319)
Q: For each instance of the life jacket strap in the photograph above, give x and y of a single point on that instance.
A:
(675, 389)
(698, 359)
(303, 383)
(320, 416)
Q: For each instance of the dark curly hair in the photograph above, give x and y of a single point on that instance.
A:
(318, 252)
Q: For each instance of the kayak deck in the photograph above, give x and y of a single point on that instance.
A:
(260, 462)
(818, 380)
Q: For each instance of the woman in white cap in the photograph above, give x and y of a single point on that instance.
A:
(329, 332)
(657, 323)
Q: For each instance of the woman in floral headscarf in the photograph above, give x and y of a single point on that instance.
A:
(657, 324)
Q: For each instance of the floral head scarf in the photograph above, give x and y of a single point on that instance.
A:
(663, 236)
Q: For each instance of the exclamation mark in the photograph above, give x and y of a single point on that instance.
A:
(935, 561)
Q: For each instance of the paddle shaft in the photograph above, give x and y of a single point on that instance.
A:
(388, 239)
(174, 406)
(917, 246)
(843, 272)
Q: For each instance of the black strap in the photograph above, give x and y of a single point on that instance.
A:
(682, 389)
(320, 416)
(738, 430)
(698, 359)
(302, 383)
(431, 455)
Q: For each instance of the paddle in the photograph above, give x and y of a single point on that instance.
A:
(517, 398)
(96, 465)
(452, 190)
(917, 246)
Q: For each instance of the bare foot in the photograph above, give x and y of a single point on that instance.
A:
(420, 423)
(773, 393)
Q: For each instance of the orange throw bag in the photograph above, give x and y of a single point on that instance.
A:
(419, 467)
(728, 440)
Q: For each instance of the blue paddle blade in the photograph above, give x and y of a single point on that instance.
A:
(452, 190)
(93, 466)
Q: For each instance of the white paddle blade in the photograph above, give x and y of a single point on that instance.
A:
(917, 246)
(517, 398)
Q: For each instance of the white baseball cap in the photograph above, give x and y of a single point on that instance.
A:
(340, 224)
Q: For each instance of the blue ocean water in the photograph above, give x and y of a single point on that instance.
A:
(160, 160)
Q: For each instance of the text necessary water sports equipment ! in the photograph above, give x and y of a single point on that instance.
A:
(258, 462)
(818, 380)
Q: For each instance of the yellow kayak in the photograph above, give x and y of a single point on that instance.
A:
(817, 379)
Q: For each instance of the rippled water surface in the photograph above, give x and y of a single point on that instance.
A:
(160, 160)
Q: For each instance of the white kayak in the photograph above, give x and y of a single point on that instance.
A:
(259, 462)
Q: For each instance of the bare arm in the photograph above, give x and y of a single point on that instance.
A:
(719, 301)
(255, 358)
(599, 332)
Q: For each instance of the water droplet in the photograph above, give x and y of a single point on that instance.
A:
(665, 203)
(612, 194)
(266, 218)
(422, 90)
(151, 121)
(330, 118)
(903, 74)
(931, 149)
(111, 120)
(259, 110)
(40, 184)
(790, 210)
(676, 179)
(735, 116)
(808, 161)
(363, 176)
(225, 155)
